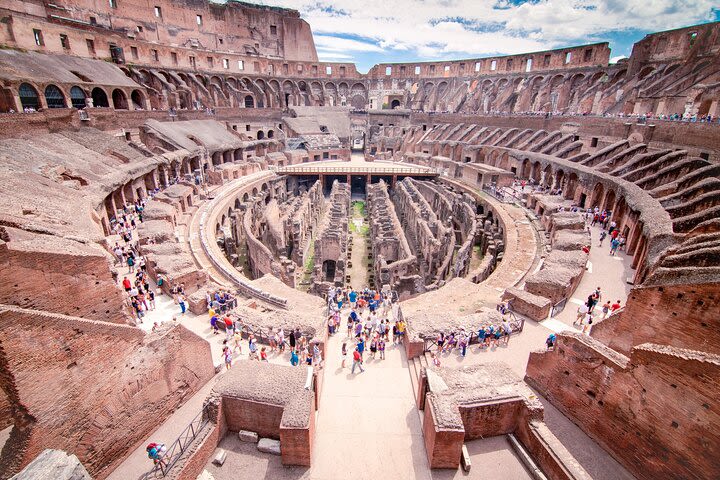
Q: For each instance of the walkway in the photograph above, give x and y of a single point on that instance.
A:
(359, 275)
(368, 426)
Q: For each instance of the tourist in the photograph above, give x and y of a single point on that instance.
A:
(507, 330)
(181, 302)
(550, 342)
(343, 353)
(614, 244)
(263, 354)
(615, 306)
(361, 346)
(228, 327)
(131, 263)
(308, 357)
(357, 360)
(481, 337)
(606, 309)
(435, 359)
(440, 341)
(252, 346)
(350, 325)
(381, 348)
(292, 340)
(588, 326)
(271, 339)
(237, 339)
(151, 298)
(294, 358)
(156, 452)
(373, 347)
(603, 234)
(126, 284)
(581, 312)
(227, 354)
(281, 339)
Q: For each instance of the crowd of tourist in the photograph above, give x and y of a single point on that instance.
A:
(640, 117)
(371, 320)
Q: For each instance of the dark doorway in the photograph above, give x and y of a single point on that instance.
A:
(328, 268)
(358, 184)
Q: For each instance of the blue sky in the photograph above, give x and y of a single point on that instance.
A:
(368, 32)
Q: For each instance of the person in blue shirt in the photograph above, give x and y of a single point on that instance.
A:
(294, 358)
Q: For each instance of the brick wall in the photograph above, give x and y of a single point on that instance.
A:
(682, 316)
(257, 417)
(443, 447)
(79, 285)
(656, 412)
(95, 389)
(492, 418)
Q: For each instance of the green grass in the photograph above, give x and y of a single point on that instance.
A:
(358, 208)
(364, 230)
(310, 261)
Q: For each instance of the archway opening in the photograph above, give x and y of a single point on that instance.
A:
(29, 97)
(100, 98)
(119, 100)
(77, 98)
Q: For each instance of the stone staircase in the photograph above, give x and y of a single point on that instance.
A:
(415, 367)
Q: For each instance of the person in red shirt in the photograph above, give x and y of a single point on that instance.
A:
(126, 284)
(357, 361)
(615, 306)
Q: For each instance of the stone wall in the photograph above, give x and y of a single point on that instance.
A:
(331, 241)
(683, 316)
(655, 411)
(93, 388)
(49, 273)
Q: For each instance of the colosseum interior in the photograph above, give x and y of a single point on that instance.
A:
(183, 181)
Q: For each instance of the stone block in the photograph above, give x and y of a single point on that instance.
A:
(268, 445)
(56, 465)
(248, 437)
(465, 459)
(205, 475)
(220, 456)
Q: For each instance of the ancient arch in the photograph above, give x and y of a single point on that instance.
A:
(138, 100)
(77, 97)
(54, 97)
(119, 100)
(597, 195)
(249, 101)
(28, 96)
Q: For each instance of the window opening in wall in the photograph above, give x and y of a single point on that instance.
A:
(693, 37)
(328, 70)
(156, 57)
(462, 67)
(447, 68)
(241, 65)
(493, 65)
(93, 21)
(509, 64)
(90, 46)
(477, 66)
(192, 60)
(314, 69)
(134, 53)
(28, 97)
(273, 29)
(173, 57)
(299, 68)
(432, 69)
(220, 40)
(588, 55)
(594, 142)
(38, 37)
(342, 71)
(388, 70)
(54, 97)
(528, 64)
(139, 28)
(568, 57)
(286, 68)
(113, 3)
(257, 46)
(546, 60)
(424, 128)
(210, 62)
(226, 63)
(705, 156)
(417, 69)
(402, 69)
(64, 42)
(247, 128)
(326, 155)
(158, 12)
(256, 67)
(199, 20)
(77, 97)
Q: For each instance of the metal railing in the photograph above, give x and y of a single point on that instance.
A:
(516, 326)
(499, 194)
(558, 307)
(170, 458)
(350, 170)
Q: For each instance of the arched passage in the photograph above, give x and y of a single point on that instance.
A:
(54, 97)
(99, 97)
(77, 97)
(119, 100)
(249, 101)
(137, 100)
(28, 96)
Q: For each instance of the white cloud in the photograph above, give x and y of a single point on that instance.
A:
(452, 28)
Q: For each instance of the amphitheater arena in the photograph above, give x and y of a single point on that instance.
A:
(454, 188)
